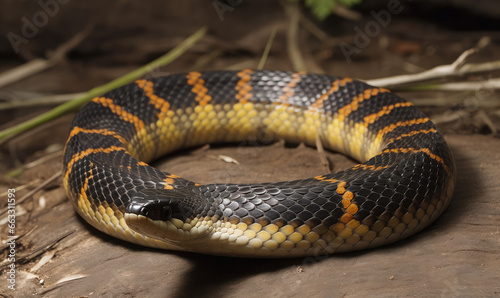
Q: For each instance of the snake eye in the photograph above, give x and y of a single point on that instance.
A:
(144, 211)
(166, 213)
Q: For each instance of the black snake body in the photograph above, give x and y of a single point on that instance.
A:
(406, 178)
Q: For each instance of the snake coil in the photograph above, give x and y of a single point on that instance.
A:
(405, 181)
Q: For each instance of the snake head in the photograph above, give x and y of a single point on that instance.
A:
(161, 214)
(154, 209)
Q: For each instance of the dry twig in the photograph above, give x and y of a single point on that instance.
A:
(77, 103)
(293, 48)
(313, 29)
(346, 13)
(40, 101)
(265, 54)
(322, 156)
(38, 65)
(460, 86)
(457, 68)
(34, 191)
(19, 170)
(38, 251)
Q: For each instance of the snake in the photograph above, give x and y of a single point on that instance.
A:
(404, 178)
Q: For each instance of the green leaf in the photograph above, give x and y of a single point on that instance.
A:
(349, 2)
(321, 8)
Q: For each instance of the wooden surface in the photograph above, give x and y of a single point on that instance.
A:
(457, 256)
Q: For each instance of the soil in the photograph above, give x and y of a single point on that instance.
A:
(60, 255)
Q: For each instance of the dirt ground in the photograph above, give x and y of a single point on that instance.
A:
(454, 257)
(60, 255)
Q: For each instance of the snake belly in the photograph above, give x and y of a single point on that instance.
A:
(404, 182)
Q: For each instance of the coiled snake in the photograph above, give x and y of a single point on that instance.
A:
(405, 181)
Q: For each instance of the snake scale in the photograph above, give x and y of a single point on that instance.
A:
(404, 182)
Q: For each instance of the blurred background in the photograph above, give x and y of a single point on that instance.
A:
(97, 41)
